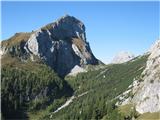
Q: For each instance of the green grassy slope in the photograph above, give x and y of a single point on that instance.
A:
(150, 116)
(16, 39)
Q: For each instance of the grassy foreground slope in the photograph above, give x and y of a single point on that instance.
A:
(127, 110)
(103, 86)
(150, 116)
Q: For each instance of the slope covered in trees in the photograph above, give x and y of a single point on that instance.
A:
(103, 86)
(27, 86)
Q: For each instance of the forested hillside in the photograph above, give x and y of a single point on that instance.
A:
(102, 87)
(27, 86)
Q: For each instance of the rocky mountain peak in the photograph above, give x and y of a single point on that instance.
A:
(122, 57)
(61, 45)
(66, 27)
(69, 19)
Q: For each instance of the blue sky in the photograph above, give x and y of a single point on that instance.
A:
(110, 26)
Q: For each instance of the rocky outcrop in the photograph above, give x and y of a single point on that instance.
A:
(62, 45)
(122, 57)
(76, 70)
(145, 89)
(147, 94)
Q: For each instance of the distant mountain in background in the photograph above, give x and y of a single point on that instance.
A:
(122, 57)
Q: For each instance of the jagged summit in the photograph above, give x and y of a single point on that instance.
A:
(61, 45)
(68, 18)
(65, 27)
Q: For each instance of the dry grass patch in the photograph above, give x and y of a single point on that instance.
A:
(150, 116)
(16, 39)
(79, 43)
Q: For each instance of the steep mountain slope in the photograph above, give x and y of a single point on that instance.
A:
(140, 77)
(122, 57)
(61, 45)
(28, 87)
(147, 93)
(145, 90)
(101, 87)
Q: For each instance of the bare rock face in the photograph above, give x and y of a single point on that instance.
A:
(61, 45)
(146, 88)
(76, 70)
(147, 94)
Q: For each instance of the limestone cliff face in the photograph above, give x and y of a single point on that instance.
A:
(61, 45)
(146, 88)
(147, 94)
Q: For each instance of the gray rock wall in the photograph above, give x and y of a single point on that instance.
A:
(61, 45)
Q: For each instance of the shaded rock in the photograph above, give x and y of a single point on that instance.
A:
(61, 45)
